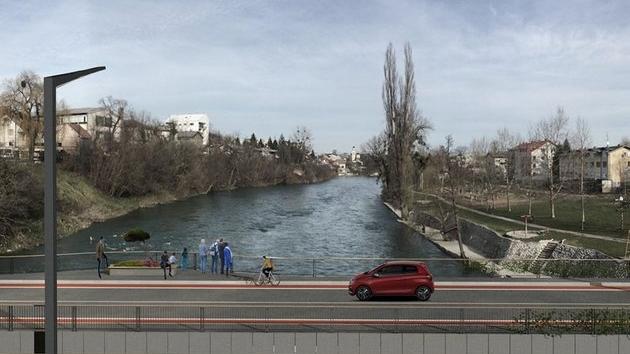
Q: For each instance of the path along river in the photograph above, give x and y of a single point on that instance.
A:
(343, 217)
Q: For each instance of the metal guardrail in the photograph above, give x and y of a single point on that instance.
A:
(344, 266)
(368, 318)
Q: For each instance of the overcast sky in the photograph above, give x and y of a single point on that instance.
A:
(269, 66)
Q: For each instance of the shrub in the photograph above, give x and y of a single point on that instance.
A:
(136, 235)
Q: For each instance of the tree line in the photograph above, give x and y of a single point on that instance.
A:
(134, 157)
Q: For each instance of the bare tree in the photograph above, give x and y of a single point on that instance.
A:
(303, 138)
(405, 128)
(23, 101)
(503, 143)
(115, 112)
(453, 177)
(376, 147)
(581, 140)
(553, 129)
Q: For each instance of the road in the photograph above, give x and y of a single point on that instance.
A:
(448, 293)
(300, 305)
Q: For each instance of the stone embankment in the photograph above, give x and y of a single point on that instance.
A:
(511, 257)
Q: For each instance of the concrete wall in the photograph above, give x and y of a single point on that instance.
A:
(320, 343)
(484, 240)
(422, 218)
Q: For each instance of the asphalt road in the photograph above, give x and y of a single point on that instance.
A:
(327, 292)
(306, 306)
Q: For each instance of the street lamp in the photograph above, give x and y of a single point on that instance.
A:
(50, 199)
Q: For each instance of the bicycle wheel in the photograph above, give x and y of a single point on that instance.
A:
(260, 280)
(274, 280)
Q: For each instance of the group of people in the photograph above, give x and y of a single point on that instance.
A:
(219, 252)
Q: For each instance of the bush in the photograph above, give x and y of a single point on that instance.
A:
(21, 197)
(136, 235)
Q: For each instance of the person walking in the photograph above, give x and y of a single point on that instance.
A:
(171, 260)
(214, 254)
(164, 263)
(203, 255)
(227, 257)
(221, 248)
(184, 261)
(100, 255)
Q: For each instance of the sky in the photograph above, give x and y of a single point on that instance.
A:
(270, 66)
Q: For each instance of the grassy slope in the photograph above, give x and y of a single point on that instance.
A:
(601, 216)
(611, 248)
(80, 204)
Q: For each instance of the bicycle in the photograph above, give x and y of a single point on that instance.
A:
(272, 279)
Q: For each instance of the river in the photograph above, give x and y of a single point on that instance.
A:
(343, 217)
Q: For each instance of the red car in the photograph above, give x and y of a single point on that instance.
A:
(393, 279)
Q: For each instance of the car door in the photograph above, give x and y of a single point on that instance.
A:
(408, 280)
(386, 279)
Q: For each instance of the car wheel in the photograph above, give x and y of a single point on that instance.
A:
(423, 293)
(364, 293)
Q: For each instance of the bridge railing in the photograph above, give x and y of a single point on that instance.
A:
(345, 266)
(315, 317)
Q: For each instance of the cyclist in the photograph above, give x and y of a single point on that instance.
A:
(267, 266)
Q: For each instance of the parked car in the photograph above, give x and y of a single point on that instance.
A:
(399, 278)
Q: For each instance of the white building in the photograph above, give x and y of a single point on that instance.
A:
(611, 165)
(355, 156)
(10, 133)
(92, 120)
(192, 123)
(533, 160)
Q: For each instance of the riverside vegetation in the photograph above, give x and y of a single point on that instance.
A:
(96, 184)
(132, 164)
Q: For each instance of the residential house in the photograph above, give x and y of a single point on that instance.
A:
(14, 141)
(10, 133)
(533, 160)
(193, 137)
(499, 161)
(93, 121)
(268, 152)
(192, 123)
(608, 164)
(71, 136)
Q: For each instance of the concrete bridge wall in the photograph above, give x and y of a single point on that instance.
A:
(94, 342)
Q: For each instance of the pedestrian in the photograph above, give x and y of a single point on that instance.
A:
(164, 262)
(184, 262)
(100, 255)
(203, 255)
(227, 257)
(171, 261)
(214, 254)
(221, 247)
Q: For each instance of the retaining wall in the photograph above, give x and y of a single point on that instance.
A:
(320, 343)
(484, 240)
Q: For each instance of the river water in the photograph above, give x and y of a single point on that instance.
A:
(343, 217)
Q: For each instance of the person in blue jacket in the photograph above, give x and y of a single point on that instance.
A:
(227, 258)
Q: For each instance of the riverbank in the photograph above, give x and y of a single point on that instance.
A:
(506, 256)
(82, 204)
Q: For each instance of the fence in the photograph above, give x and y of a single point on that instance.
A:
(345, 266)
(311, 317)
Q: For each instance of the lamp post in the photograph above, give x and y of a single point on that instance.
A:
(50, 199)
